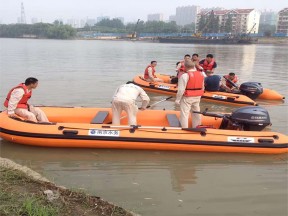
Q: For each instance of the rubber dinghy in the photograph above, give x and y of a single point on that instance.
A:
(171, 89)
(241, 131)
(249, 91)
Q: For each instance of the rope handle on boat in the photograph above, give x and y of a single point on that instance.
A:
(202, 131)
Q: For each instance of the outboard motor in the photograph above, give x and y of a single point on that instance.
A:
(251, 89)
(250, 118)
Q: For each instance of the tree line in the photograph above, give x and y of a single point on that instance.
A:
(39, 30)
(116, 26)
(58, 30)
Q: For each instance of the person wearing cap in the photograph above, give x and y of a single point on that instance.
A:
(125, 99)
(209, 64)
(16, 102)
(190, 90)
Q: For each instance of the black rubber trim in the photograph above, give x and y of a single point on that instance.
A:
(228, 100)
(146, 140)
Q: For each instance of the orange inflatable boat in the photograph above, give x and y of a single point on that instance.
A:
(157, 130)
(248, 92)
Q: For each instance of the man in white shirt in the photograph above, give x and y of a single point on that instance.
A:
(125, 99)
(16, 102)
(190, 90)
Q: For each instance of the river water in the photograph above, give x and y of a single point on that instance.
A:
(87, 72)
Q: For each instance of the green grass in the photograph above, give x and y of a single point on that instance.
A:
(36, 207)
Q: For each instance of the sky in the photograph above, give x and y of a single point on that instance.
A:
(131, 10)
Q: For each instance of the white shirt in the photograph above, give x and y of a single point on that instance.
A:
(131, 92)
(16, 96)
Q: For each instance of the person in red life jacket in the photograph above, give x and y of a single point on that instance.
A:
(16, 102)
(230, 83)
(149, 73)
(180, 67)
(195, 59)
(190, 90)
(208, 64)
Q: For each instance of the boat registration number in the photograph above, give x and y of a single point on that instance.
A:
(241, 139)
(219, 96)
(109, 133)
(163, 87)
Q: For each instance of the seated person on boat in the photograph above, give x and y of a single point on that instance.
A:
(149, 73)
(16, 102)
(208, 64)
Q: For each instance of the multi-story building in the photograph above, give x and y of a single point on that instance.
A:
(243, 20)
(34, 20)
(155, 17)
(172, 18)
(268, 18)
(282, 25)
(186, 15)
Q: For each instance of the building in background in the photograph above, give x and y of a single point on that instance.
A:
(282, 25)
(243, 20)
(34, 20)
(172, 18)
(186, 15)
(268, 18)
(155, 17)
(90, 22)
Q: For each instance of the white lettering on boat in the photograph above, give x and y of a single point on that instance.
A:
(110, 133)
(241, 139)
(163, 87)
(219, 96)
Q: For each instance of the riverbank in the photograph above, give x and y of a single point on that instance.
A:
(25, 192)
(273, 40)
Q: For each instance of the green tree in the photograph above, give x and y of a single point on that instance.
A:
(228, 24)
(202, 23)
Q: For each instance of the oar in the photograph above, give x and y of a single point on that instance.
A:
(134, 127)
(232, 83)
(165, 99)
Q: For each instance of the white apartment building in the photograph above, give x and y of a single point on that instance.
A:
(186, 15)
(155, 17)
(243, 20)
(282, 25)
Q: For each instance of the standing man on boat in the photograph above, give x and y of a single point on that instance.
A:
(190, 90)
(180, 67)
(16, 102)
(125, 99)
(149, 73)
(208, 64)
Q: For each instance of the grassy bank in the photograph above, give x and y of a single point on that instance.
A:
(25, 195)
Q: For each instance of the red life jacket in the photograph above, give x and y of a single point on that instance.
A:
(228, 84)
(194, 86)
(182, 68)
(146, 74)
(23, 102)
(207, 66)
